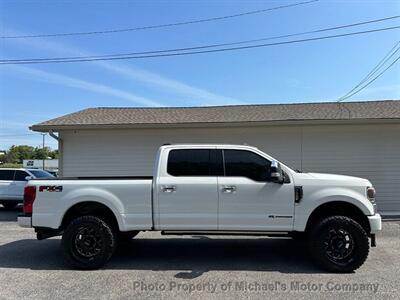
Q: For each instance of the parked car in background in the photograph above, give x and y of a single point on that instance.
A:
(53, 172)
(13, 181)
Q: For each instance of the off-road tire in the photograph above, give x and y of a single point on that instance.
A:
(321, 244)
(73, 242)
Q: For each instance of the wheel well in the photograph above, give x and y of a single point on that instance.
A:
(338, 208)
(89, 208)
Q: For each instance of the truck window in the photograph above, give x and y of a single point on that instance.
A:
(7, 174)
(20, 175)
(242, 163)
(40, 174)
(195, 162)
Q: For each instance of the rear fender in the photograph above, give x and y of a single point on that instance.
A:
(94, 195)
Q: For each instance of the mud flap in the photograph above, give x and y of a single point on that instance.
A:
(373, 240)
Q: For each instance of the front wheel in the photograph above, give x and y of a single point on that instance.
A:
(88, 243)
(339, 244)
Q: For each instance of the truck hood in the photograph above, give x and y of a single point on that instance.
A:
(333, 179)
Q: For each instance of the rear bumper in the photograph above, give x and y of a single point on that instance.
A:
(375, 223)
(25, 220)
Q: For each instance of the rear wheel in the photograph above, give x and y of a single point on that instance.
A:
(88, 243)
(339, 244)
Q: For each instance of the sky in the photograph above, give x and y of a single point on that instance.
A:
(315, 71)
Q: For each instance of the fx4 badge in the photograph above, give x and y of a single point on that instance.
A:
(50, 188)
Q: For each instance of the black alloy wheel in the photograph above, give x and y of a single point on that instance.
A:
(339, 244)
(88, 243)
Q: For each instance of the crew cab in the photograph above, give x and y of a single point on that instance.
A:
(12, 183)
(207, 189)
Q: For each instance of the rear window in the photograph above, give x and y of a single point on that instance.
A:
(20, 176)
(7, 174)
(195, 162)
(40, 174)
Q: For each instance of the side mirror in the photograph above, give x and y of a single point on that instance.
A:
(27, 178)
(276, 173)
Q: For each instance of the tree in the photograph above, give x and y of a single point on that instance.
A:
(54, 154)
(17, 154)
(3, 157)
(41, 153)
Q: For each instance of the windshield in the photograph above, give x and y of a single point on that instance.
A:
(40, 173)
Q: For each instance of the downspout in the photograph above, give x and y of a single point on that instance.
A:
(51, 133)
(60, 156)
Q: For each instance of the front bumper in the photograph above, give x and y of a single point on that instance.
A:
(25, 220)
(375, 223)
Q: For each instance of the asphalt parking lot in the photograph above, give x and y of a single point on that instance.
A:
(152, 266)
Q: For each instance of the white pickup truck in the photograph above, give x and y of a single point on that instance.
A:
(207, 189)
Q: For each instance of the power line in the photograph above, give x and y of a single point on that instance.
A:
(372, 80)
(22, 61)
(380, 64)
(161, 25)
(209, 46)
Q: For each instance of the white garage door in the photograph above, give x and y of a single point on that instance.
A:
(369, 151)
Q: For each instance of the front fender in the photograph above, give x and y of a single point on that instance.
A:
(313, 200)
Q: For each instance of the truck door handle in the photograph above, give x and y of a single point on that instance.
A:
(229, 189)
(168, 188)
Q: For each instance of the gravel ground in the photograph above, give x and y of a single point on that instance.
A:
(215, 267)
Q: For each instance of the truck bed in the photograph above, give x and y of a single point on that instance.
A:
(129, 198)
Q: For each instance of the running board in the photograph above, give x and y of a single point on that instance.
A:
(243, 233)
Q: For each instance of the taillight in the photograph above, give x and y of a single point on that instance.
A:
(29, 198)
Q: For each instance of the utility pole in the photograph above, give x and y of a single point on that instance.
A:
(43, 144)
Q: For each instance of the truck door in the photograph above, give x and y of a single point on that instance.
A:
(187, 189)
(248, 200)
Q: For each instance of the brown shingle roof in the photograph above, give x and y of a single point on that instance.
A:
(131, 117)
